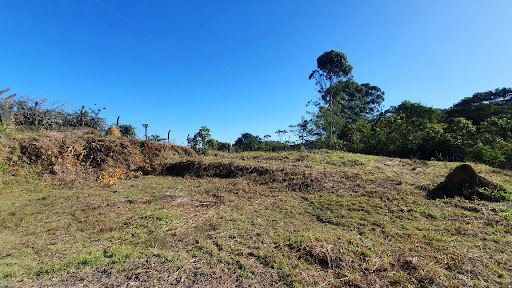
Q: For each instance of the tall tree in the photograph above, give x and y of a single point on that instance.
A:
(342, 101)
(349, 103)
(332, 66)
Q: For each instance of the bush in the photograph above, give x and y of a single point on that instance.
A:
(127, 131)
(35, 113)
(485, 154)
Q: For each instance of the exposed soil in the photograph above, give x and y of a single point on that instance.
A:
(71, 159)
(113, 131)
(218, 170)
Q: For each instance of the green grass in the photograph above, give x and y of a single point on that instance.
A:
(364, 221)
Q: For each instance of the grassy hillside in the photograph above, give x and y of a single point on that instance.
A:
(299, 219)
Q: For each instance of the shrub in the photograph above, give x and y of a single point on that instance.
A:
(485, 154)
(127, 131)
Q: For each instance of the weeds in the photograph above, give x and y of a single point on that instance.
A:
(494, 195)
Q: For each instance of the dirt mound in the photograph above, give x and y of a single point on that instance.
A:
(85, 158)
(464, 182)
(218, 170)
(68, 159)
(113, 131)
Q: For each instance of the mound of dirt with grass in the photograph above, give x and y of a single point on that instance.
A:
(464, 182)
(67, 159)
(70, 158)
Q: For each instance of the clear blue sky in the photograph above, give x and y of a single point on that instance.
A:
(243, 66)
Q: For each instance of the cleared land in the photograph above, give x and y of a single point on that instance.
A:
(300, 219)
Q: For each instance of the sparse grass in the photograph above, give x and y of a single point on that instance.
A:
(361, 221)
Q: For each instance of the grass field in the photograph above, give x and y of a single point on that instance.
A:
(320, 219)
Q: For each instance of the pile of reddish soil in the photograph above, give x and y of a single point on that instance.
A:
(464, 182)
(113, 131)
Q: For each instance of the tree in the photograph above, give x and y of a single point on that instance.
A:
(351, 102)
(484, 105)
(410, 130)
(332, 66)
(342, 102)
(127, 131)
(280, 133)
(199, 140)
(303, 130)
(247, 142)
(355, 101)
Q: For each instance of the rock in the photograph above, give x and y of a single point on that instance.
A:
(464, 182)
(113, 131)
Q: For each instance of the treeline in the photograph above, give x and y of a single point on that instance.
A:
(349, 117)
(477, 129)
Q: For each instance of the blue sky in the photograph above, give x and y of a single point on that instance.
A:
(243, 66)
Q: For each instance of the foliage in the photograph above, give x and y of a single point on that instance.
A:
(303, 130)
(484, 105)
(477, 128)
(332, 66)
(203, 142)
(213, 144)
(342, 101)
(86, 118)
(250, 142)
(199, 141)
(247, 142)
(494, 195)
(127, 131)
(156, 138)
(37, 113)
(485, 154)
(409, 129)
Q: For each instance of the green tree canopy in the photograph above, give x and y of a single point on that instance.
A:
(350, 102)
(332, 66)
(483, 105)
(200, 139)
(342, 103)
(247, 142)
